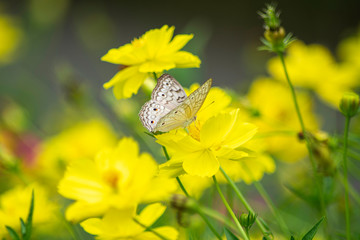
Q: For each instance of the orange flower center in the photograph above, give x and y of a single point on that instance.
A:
(111, 177)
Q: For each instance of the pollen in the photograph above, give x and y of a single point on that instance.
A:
(111, 177)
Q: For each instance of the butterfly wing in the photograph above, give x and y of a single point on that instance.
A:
(167, 95)
(168, 92)
(185, 113)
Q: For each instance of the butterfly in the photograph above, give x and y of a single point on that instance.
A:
(170, 107)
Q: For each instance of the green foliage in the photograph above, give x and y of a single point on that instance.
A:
(229, 235)
(311, 233)
(25, 228)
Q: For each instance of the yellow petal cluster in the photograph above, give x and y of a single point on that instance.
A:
(83, 140)
(15, 204)
(314, 67)
(119, 224)
(278, 122)
(219, 138)
(153, 52)
(118, 177)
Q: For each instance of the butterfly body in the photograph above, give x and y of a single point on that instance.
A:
(169, 107)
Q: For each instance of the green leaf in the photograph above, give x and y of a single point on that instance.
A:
(292, 238)
(12, 233)
(22, 227)
(310, 235)
(229, 235)
(27, 234)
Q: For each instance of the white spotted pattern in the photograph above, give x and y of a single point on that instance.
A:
(169, 107)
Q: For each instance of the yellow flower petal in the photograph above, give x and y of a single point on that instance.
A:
(179, 42)
(130, 86)
(201, 163)
(121, 76)
(215, 130)
(81, 210)
(156, 66)
(167, 232)
(125, 55)
(151, 213)
(157, 40)
(184, 59)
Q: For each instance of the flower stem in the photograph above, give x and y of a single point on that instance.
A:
(262, 227)
(346, 181)
(150, 229)
(202, 215)
(177, 178)
(269, 202)
(187, 195)
(318, 179)
(232, 214)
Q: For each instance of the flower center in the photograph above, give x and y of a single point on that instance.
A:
(111, 177)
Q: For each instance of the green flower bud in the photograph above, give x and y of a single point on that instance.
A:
(247, 220)
(349, 104)
(275, 36)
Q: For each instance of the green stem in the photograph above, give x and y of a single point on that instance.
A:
(187, 195)
(219, 217)
(232, 214)
(269, 202)
(155, 77)
(318, 180)
(150, 229)
(263, 229)
(177, 178)
(346, 181)
(202, 215)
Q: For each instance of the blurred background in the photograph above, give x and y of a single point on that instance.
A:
(51, 48)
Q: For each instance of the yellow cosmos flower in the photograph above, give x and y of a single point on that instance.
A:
(153, 52)
(83, 140)
(117, 178)
(199, 153)
(120, 225)
(10, 36)
(278, 122)
(314, 67)
(15, 204)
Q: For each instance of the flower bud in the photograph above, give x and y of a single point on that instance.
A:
(247, 220)
(182, 203)
(349, 104)
(275, 36)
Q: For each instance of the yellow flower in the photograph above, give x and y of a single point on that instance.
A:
(153, 52)
(349, 50)
(117, 178)
(10, 36)
(199, 153)
(313, 67)
(120, 224)
(15, 204)
(278, 122)
(83, 140)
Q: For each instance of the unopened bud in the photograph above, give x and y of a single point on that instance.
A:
(183, 203)
(349, 104)
(275, 36)
(247, 220)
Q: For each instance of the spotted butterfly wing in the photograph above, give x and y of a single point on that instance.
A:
(184, 114)
(167, 95)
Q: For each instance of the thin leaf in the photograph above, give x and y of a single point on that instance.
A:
(30, 218)
(12, 233)
(22, 227)
(310, 235)
(229, 235)
(292, 238)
